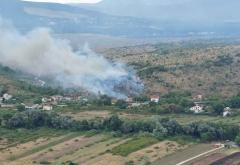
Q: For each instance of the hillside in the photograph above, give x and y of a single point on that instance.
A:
(179, 17)
(24, 88)
(70, 19)
(202, 67)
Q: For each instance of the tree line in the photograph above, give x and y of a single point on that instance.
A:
(158, 127)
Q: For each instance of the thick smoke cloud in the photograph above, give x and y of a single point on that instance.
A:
(39, 54)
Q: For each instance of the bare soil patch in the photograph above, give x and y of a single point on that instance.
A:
(58, 151)
(233, 159)
(209, 159)
(8, 153)
(88, 115)
(155, 152)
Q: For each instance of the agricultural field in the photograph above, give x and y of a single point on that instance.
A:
(47, 146)
(181, 118)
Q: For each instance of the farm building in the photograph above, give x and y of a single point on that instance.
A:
(227, 112)
(47, 107)
(155, 98)
(197, 109)
(7, 96)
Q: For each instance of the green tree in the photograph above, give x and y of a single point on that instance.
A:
(237, 140)
(113, 123)
(234, 102)
(20, 108)
(38, 101)
(218, 107)
(121, 104)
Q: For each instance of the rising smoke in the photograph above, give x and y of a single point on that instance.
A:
(39, 54)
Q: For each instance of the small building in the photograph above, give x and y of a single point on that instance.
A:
(198, 97)
(129, 100)
(135, 105)
(67, 98)
(7, 96)
(57, 98)
(114, 101)
(35, 106)
(155, 98)
(197, 109)
(227, 112)
(45, 99)
(47, 107)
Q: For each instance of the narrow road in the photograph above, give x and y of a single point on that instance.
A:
(202, 154)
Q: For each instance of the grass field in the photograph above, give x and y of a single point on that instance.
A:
(181, 118)
(134, 145)
(42, 147)
(25, 135)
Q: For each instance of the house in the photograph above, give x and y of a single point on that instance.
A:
(47, 107)
(45, 99)
(129, 100)
(35, 106)
(57, 98)
(227, 112)
(135, 105)
(67, 98)
(155, 98)
(114, 101)
(7, 96)
(197, 109)
(198, 97)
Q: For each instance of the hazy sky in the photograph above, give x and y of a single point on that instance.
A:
(66, 1)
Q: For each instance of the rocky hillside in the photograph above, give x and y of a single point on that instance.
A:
(202, 67)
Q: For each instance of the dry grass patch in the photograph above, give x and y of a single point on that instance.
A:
(88, 115)
(155, 152)
(91, 154)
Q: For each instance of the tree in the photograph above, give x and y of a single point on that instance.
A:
(160, 131)
(237, 140)
(21, 108)
(121, 104)
(113, 123)
(218, 107)
(38, 101)
(235, 102)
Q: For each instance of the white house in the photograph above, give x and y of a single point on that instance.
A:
(198, 97)
(197, 109)
(129, 100)
(57, 98)
(47, 107)
(35, 106)
(155, 99)
(7, 96)
(227, 112)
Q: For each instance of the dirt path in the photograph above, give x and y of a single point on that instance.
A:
(184, 154)
(200, 155)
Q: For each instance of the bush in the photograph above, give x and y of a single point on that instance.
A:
(20, 108)
(237, 140)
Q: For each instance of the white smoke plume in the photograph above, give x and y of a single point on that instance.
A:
(39, 54)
